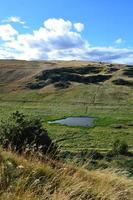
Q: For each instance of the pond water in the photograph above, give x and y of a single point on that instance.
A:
(74, 121)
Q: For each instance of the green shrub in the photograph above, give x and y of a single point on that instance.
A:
(20, 132)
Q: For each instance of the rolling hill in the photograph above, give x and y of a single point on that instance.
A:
(52, 90)
(57, 89)
(40, 74)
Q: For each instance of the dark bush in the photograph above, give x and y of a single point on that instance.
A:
(95, 78)
(20, 131)
(36, 85)
(123, 82)
(129, 72)
(109, 155)
(61, 77)
(62, 84)
(94, 154)
(118, 148)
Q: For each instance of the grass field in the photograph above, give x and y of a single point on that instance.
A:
(110, 104)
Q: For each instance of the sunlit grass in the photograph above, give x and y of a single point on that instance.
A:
(30, 178)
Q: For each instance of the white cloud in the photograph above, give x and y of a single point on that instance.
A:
(55, 35)
(58, 25)
(119, 41)
(57, 39)
(7, 32)
(79, 27)
(14, 19)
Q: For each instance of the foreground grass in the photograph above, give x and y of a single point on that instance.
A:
(33, 179)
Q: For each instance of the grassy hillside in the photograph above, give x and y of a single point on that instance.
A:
(72, 89)
(58, 89)
(33, 179)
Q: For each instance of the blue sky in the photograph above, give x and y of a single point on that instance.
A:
(67, 29)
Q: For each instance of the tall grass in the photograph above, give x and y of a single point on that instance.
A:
(31, 179)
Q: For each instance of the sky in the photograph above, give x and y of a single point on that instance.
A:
(95, 30)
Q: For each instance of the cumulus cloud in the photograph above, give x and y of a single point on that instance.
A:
(119, 41)
(58, 25)
(7, 32)
(79, 27)
(54, 35)
(57, 39)
(14, 19)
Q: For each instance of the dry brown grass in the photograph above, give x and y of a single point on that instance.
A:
(32, 179)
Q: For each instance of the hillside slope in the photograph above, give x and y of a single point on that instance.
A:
(58, 89)
(39, 74)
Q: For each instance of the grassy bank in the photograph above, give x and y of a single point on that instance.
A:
(31, 178)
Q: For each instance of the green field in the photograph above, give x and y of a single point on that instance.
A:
(110, 104)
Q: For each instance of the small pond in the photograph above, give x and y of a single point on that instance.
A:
(75, 121)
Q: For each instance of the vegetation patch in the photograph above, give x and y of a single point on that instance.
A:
(128, 72)
(118, 148)
(19, 133)
(123, 82)
(32, 179)
(62, 77)
(62, 84)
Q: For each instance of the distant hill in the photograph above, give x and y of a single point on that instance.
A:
(15, 74)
